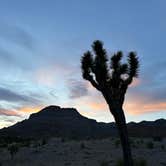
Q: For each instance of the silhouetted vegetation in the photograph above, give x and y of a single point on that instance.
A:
(150, 145)
(5, 141)
(44, 141)
(112, 80)
(157, 138)
(162, 147)
(117, 143)
(104, 163)
(13, 149)
(137, 162)
(82, 146)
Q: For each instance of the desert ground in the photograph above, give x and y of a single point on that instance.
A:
(101, 152)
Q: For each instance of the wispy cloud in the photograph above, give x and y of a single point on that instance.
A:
(11, 96)
(6, 112)
(140, 107)
(77, 88)
(17, 35)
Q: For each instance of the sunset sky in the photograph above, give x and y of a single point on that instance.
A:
(41, 42)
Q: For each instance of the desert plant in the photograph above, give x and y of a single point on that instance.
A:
(162, 147)
(112, 81)
(82, 145)
(117, 143)
(133, 143)
(104, 163)
(13, 149)
(137, 162)
(142, 162)
(43, 141)
(150, 145)
(62, 140)
(119, 162)
(157, 138)
(141, 141)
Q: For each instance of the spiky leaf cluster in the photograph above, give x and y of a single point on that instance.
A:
(95, 68)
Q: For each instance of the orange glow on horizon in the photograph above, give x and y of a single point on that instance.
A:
(141, 108)
(29, 110)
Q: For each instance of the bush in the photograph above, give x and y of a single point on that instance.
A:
(119, 162)
(26, 143)
(82, 146)
(140, 162)
(150, 145)
(62, 140)
(3, 145)
(141, 141)
(117, 143)
(133, 143)
(44, 142)
(162, 147)
(104, 163)
(157, 138)
(13, 149)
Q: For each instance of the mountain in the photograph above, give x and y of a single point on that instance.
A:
(60, 122)
(68, 122)
(155, 128)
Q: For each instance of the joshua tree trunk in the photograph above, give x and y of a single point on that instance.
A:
(112, 80)
(122, 128)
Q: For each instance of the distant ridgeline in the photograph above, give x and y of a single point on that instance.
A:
(54, 121)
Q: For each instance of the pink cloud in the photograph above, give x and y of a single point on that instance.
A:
(9, 112)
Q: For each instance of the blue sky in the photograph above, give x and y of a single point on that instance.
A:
(41, 42)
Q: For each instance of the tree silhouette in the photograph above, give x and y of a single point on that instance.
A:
(112, 80)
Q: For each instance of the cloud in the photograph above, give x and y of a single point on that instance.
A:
(140, 107)
(30, 109)
(6, 112)
(77, 88)
(45, 76)
(135, 103)
(5, 56)
(17, 35)
(11, 96)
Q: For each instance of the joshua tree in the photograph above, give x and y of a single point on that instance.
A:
(112, 80)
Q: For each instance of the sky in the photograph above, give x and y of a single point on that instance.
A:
(42, 41)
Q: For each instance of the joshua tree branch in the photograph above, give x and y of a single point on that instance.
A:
(93, 82)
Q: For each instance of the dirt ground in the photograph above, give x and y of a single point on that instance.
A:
(105, 152)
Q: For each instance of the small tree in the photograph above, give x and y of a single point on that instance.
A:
(112, 80)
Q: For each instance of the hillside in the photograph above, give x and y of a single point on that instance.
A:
(54, 121)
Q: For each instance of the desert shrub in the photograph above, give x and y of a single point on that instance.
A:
(62, 140)
(157, 138)
(140, 162)
(82, 145)
(26, 143)
(104, 163)
(44, 141)
(137, 162)
(141, 141)
(119, 162)
(117, 143)
(132, 143)
(150, 145)
(3, 145)
(13, 149)
(138, 142)
(162, 147)
(36, 144)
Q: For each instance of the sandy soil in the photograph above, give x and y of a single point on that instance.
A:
(105, 152)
